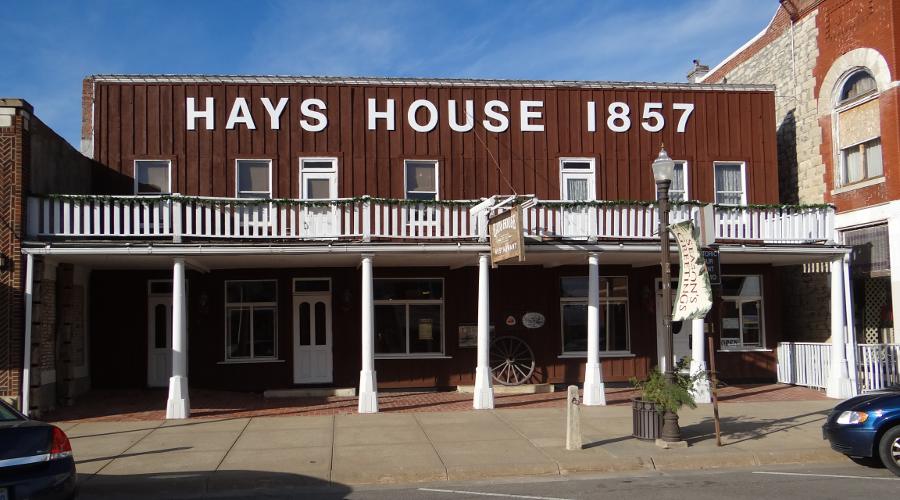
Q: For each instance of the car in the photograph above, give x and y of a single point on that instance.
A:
(867, 427)
(36, 460)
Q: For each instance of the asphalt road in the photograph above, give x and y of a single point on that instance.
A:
(769, 483)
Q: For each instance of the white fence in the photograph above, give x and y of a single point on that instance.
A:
(804, 363)
(878, 366)
(775, 225)
(607, 221)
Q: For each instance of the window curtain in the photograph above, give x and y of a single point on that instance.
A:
(729, 184)
(577, 189)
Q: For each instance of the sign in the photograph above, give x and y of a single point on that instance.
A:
(713, 267)
(507, 238)
(533, 320)
(694, 297)
(468, 335)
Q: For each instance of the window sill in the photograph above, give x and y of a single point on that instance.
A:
(248, 361)
(745, 349)
(412, 356)
(858, 185)
(583, 355)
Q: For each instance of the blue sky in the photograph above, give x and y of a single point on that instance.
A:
(49, 47)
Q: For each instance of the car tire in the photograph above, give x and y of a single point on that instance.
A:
(889, 449)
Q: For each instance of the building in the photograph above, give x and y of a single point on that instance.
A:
(254, 233)
(834, 66)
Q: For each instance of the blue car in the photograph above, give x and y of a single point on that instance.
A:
(867, 426)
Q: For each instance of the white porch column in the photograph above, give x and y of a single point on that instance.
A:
(179, 403)
(484, 390)
(838, 378)
(26, 344)
(894, 259)
(851, 343)
(594, 390)
(368, 386)
(698, 362)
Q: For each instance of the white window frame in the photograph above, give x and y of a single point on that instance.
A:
(407, 303)
(563, 301)
(229, 306)
(329, 174)
(237, 178)
(740, 299)
(840, 107)
(743, 165)
(589, 174)
(684, 172)
(437, 178)
(137, 190)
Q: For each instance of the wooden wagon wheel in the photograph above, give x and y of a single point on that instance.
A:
(512, 361)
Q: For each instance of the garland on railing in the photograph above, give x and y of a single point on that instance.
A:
(617, 203)
(810, 206)
(258, 202)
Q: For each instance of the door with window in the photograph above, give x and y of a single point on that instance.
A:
(318, 181)
(681, 330)
(159, 334)
(577, 183)
(312, 332)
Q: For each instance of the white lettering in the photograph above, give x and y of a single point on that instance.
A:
(650, 113)
(502, 120)
(688, 108)
(274, 113)
(432, 116)
(470, 116)
(240, 113)
(206, 114)
(527, 115)
(306, 109)
(618, 112)
(387, 115)
(591, 116)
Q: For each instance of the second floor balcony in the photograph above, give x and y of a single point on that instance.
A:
(183, 218)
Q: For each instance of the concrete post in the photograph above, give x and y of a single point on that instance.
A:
(573, 420)
(26, 344)
(368, 386)
(698, 362)
(839, 378)
(179, 403)
(594, 389)
(484, 390)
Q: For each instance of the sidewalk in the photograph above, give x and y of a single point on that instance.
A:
(217, 455)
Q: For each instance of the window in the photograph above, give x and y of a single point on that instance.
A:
(421, 180)
(251, 312)
(678, 190)
(742, 317)
(318, 178)
(254, 179)
(409, 316)
(573, 304)
(730, 185)
(152, 177)
(577, 179)
(858, 129)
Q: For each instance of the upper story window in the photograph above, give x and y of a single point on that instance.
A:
(858, 129)
(678, 190)
(730, 183)
(318, 178)
(152, 177)
(421, 179)
(254, 179)
(577, 179)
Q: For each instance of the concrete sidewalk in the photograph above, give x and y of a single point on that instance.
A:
(206, 456)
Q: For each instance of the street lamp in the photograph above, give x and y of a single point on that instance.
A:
(663, 172)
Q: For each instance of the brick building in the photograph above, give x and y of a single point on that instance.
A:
(834, 64)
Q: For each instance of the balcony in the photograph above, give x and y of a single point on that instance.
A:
(181, 218)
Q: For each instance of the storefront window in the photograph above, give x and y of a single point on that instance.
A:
(742, 312)
(613, 314)
(409, 316)
(251, 309)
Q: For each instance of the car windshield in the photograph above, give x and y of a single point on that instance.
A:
(7, 414)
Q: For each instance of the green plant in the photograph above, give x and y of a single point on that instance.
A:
(670, 396)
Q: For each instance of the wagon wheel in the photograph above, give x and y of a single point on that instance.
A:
(512, 361)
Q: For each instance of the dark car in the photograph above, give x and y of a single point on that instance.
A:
(35, 459)
(867, 426)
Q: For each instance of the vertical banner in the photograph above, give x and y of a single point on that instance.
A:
(694, 297)
(507, 238)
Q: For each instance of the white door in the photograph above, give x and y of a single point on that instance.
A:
(159, 340)
(577, 183)
(312, 339)
(681, 330)
(318, 181)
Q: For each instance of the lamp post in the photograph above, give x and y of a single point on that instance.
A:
(663, 172)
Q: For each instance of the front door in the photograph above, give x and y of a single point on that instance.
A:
(159, 338)
(318, 181)
(312, 338)
(681, 330)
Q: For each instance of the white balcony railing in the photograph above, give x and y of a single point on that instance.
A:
(878, 366)
(177, 217)
(804, 363)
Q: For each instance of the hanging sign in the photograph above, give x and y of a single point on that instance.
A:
(713, 267)
(507, 238)
(694, 297)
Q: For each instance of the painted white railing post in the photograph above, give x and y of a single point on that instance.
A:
(367, 222)
(176, 219)
(484, 390)
(700, 390)
(839, 378)
(368, 386)
(179, 403)
(482, 226)
(594, 389)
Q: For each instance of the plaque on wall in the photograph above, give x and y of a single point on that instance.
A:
(468, 335)
(533, 320)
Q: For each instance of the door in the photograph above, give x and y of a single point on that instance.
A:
(318, 181)
(681, 330)
(312, 339)
(577, 183)
(159, 340)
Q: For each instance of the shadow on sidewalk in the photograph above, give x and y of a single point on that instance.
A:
(738, 430)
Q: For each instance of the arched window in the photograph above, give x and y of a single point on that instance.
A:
(858, 129)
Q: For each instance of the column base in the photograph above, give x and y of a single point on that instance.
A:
(179, 403)
(484, 391)
(700, 390)
(840, 388)
(368, 392)
(594, 388)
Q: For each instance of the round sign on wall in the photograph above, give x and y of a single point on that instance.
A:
(533, 320)
(510, 321)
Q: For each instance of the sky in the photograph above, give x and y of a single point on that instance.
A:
(48, 47)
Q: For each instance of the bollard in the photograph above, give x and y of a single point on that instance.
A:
(573, 419)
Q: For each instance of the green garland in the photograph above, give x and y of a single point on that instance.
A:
(617, 203)
(810, 206)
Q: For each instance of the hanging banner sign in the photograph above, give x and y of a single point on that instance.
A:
(694, 297)
(507, 238)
